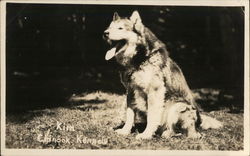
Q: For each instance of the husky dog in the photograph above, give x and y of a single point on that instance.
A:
(155, 85)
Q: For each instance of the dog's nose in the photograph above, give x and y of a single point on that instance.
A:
(106, 33)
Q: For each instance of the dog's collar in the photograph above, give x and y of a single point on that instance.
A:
(152, 52)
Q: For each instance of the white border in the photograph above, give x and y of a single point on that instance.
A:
(66, 152)
(141, 2)
(2, 85)
(37, 152)
(246, 81)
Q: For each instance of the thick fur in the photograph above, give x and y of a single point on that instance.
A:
(156, 88)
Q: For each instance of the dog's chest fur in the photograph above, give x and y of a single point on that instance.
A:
(146, 76)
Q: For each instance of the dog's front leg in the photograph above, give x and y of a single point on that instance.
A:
(126, 129)
(130, 115)
(155, 110)
(136, 100)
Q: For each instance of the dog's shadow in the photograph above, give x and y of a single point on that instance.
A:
(138, 127)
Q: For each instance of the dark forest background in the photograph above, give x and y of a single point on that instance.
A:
(56, 51)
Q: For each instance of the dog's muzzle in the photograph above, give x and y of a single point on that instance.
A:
(106, 34)
(115, 45)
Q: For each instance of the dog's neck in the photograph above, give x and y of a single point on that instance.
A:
(136, 52)
(126, 53)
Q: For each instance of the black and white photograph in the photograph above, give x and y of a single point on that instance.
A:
(91, 76)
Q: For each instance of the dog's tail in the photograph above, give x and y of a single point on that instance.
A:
(209, 122)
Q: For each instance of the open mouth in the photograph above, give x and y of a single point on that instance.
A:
(116, 48)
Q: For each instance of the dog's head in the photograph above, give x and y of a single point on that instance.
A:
(122, 32)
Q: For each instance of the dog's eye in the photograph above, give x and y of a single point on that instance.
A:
(120, 28)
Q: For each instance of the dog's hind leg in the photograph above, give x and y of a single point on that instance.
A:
(188, 116)
(189, 119)
(155, 111)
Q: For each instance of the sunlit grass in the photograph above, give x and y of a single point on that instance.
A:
(93, 116)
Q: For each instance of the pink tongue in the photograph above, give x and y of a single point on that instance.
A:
(110, 54)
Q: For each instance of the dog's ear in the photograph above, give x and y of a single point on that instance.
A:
(116, 16)
(136, 19)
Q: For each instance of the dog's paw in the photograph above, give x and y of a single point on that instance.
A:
(143, 136)
(195, 135)
(167, 134)
(122, 131)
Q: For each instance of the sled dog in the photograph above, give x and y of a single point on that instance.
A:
(155, 85)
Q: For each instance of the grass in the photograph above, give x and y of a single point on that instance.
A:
(92, 116)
